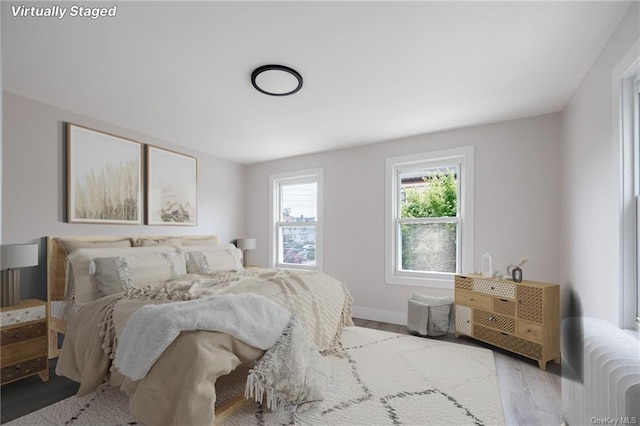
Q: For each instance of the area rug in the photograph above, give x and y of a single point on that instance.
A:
(382, 378)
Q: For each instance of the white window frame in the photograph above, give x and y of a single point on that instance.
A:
(463, 157)
(627, 107)
(296, 177)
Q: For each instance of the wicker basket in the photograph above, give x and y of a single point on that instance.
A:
(429, 316)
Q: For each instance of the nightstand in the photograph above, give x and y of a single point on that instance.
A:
(24, 331)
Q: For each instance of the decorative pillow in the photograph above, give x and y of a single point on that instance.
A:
(82, 286)
(207, 260)
(120, 273)
(71, 244)
(151, 242)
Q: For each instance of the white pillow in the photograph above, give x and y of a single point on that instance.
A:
(205, 260)
(84, 287)
(121, 273)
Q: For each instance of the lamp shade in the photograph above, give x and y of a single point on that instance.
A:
(246, 243)
(14, 256)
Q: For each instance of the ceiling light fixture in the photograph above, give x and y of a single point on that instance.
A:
(276, 80)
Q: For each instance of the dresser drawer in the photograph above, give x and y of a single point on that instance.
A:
(474, 300)
(463, 283)
(463, 320)
(508, 342)
(22, 351)
(23, 369)
(496, 288)
(530, 330)
(25, 332)
(504, 306)
(495, 321)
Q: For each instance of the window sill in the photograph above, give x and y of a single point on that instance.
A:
(446, 283)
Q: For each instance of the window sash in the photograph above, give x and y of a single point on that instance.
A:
(427, 220)
(280, 255)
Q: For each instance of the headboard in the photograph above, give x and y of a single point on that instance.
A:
(57, 253)
(56, 258)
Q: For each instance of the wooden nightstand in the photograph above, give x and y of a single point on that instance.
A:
(24, 341)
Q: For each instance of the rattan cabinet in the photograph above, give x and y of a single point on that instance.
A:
(520, 317)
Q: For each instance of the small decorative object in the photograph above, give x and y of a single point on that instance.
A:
(487, 265)
(516, 271)
(516, 274)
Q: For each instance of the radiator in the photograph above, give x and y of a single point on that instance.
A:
(600, 373)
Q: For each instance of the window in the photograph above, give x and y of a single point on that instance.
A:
(429, 223)
(296, 217)
(629, 131)
(636, 173)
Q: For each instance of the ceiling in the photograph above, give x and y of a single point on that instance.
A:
(373, 71)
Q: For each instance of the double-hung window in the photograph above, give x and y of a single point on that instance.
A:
(629, 132)
(296, 237)
(429, 223)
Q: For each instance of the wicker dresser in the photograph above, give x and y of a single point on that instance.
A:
(24, 341)
(520, 317)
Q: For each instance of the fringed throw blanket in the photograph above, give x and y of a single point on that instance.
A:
(290, 374)
(189, 366)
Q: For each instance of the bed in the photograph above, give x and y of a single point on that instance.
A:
(178, 387)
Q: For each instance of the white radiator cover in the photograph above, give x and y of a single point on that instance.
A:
(600, 373)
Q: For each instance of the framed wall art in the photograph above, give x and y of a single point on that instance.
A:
(104, 177)
(171, 187)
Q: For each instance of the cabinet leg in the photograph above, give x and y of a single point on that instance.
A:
(456, 334)
(44, 375)
(542, 364)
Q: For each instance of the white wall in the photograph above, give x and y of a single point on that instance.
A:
(517, 205)
(590, 178)
(33, 184)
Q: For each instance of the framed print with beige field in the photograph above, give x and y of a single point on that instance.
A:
(104, 177)
(171, 187)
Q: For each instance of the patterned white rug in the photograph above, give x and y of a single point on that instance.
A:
(383, 379)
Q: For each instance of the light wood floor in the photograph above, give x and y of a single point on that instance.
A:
(530, 396)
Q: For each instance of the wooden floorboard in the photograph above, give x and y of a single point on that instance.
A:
(530, 396)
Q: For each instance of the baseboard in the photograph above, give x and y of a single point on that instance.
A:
(391, 317)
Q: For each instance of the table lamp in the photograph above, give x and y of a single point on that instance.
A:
(12, 258)
(246, 244)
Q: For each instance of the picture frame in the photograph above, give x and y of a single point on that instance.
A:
(172, 187)
(104, 177)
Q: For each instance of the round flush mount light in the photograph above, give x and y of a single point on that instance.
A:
(276, 80)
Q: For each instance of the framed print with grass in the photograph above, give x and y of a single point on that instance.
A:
(171, 187)
(104, 177)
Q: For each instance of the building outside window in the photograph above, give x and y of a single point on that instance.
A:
(296, 231)
(429, 225)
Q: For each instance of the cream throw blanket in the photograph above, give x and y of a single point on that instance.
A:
(291, 377)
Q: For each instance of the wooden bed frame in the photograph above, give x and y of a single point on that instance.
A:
(56, 257)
